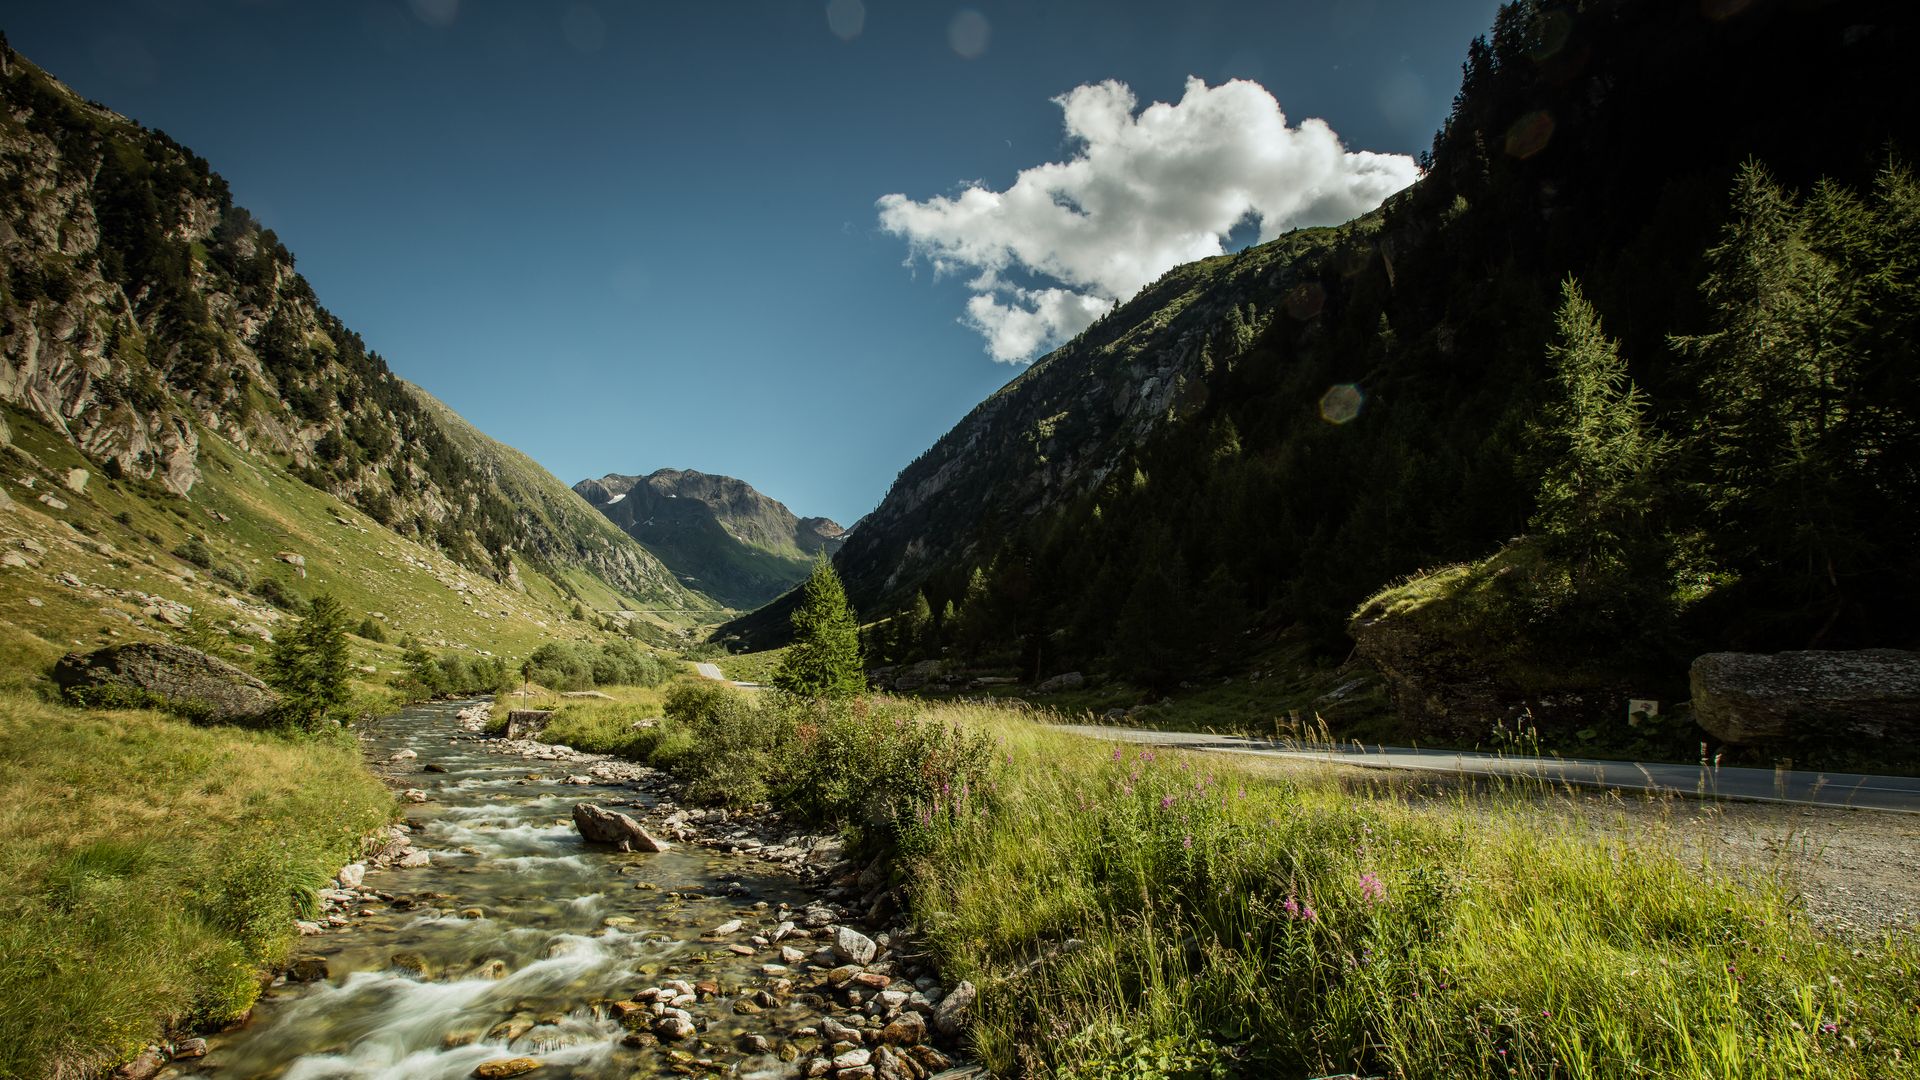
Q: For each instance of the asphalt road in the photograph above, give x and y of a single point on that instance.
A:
(712, 671)
(1860, 791)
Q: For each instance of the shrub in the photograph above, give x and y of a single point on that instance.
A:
(195, 551)
(232, 575)
(371, 630)
(879, 765)
(562, 665)
(277, 592)
(729, 757)
(620, 664)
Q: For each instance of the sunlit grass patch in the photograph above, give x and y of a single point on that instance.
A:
(1106, 898)
(149, 869)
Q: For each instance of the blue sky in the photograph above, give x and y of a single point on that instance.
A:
(626, 236)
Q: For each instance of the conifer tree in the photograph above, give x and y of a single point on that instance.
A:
(1598, 484)
(824, 659)
(308, 664)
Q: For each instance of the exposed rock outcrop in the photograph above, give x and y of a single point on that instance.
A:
(1867, 695)
(173, 677)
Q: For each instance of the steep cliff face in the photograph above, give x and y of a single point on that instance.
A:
(1062, 427)
(718, 533)
(140, 308)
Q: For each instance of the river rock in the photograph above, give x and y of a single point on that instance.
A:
(1870, 696)
(178, 678)
(527, 723)
(674, 1027)
(143, 1067)
(908, 1029)
(599, 825)
(189, 1048)
(1071, 680)
(500, 1068)
(853, 946)
(950, 1016)
(352, 874)
(308, 969)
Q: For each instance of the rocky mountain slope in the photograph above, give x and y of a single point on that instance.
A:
(144, 317)
(719, 534)
(1256, 443)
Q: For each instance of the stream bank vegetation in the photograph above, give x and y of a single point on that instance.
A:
(152, 869)
(1140, 912)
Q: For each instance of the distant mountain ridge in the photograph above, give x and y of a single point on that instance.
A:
(718, 533)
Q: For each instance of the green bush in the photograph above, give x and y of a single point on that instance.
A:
(729, 757)
(277, 592)
(371, 630)
(879, 765)
(573, 665)
(194, 551)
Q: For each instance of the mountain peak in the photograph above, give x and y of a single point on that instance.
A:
(716, 532)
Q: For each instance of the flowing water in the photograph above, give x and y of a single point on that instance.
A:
(518, 937)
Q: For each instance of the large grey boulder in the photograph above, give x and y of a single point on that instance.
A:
(527, 723)
(598, 825)
(1869, 694)
(1071, 680)
(172, 677)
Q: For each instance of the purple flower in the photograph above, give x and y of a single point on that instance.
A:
(1372, 888)
(1166, 802)
(1187, 842)
(1116, 754)
(1291, 907)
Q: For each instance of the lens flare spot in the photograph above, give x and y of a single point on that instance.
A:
(846, 18)
(584, 29)
(1306, 300)
(1530, 134)
(968, 33)
(1551, 34)
(1341, 403)
(435, 12)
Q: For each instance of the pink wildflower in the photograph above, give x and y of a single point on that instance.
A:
(1372, 888)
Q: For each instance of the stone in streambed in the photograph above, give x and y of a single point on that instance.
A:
(852, 946)
(599, 825)
(905, 1031)
(501, 1068)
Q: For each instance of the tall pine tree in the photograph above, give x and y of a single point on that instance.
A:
(1599, 482)
(309, 665)
(824, 659)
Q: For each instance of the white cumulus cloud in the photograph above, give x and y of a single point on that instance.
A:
(1142, 193)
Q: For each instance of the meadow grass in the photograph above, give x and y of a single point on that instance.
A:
(1138, 912)
(150, 870)
(1110, 900)
(602, 725)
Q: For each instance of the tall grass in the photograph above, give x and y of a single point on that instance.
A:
(150, 869)
(1107, 899)
(1132, 912)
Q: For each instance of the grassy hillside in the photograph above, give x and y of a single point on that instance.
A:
(119, 539)
(165, 335)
